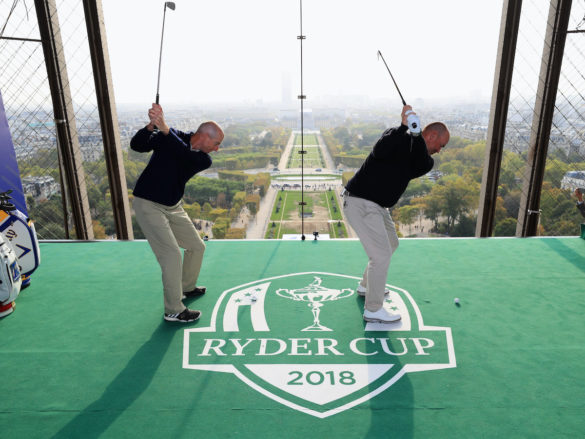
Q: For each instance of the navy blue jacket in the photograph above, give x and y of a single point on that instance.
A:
(397, 158)
(171, 165)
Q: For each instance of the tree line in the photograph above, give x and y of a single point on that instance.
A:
(450, 197)
(217, 201)
(450, 200)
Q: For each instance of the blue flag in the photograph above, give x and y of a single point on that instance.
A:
(9, 173)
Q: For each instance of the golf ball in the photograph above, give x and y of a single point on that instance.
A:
(456, 299)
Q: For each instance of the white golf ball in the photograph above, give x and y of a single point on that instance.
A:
(456, 299)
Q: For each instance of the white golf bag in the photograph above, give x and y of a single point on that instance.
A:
(20, 231)
(10, 278)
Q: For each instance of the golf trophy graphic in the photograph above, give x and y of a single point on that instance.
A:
(315, 295)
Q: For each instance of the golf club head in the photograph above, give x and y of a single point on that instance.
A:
(170, 5)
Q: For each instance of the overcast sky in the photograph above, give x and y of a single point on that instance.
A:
(241, 50)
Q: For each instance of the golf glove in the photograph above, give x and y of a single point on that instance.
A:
(413, 123)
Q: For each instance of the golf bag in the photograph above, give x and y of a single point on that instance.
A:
(20, 231)
(10, 280)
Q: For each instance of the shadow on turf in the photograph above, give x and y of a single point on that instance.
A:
(126, 388)
(391, 411)
(566, 252)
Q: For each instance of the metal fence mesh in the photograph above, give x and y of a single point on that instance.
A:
(27, 98)
(566, 151)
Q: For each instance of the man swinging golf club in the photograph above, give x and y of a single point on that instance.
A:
(176, 157)
(400, 155)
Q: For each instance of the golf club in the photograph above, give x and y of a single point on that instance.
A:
(388, 68)
(170, 5)
(413, 122)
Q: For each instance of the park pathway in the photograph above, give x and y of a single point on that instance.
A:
(257, 225)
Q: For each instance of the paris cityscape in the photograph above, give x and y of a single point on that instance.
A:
(270, 137)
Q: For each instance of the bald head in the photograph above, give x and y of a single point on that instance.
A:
(436, 136)
(438, 127)
(207, 138)
(212, 129)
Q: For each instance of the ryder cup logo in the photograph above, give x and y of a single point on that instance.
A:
(315, 294)
(300, 340)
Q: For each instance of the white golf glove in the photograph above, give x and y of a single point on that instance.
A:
(413, 123)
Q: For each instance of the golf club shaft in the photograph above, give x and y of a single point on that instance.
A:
(161, 48)
(396, 85)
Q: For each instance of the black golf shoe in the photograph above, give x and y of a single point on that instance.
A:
(188, 315)
(196, 292)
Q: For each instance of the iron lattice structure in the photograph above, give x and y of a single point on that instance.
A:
(56, 204)
(556, 214)
(67, 196)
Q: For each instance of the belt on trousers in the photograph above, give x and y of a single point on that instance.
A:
(347, 193)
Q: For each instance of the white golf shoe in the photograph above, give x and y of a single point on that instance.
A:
(381, 316)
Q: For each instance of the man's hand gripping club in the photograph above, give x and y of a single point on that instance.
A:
(157, 119)
(411, 120)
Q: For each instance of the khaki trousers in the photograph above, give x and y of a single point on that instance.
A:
(168, 229)
(377, 233)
